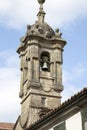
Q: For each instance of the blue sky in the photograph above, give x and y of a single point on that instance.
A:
(70, 16)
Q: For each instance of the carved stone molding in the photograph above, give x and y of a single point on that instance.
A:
(34, 84)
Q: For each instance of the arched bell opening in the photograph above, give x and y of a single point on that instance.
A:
(45, 61)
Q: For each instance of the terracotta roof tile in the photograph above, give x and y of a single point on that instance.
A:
(6, 126)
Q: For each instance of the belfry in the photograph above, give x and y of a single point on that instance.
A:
(41, 70)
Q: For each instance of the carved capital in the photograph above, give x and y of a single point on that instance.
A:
(58, 87)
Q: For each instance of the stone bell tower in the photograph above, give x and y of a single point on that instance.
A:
(41, 70)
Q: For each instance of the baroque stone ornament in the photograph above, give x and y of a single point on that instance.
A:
(40, 53)
(41, 1)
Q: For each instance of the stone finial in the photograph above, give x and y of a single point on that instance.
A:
(41, 12)
(58, 33)
(28, 27)
(41, 1)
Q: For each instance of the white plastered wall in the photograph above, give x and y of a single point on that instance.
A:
(74, 122)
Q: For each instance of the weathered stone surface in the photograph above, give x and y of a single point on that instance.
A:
(41, 29)
(40, 88)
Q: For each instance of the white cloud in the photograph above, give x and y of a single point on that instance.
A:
(75, 73)
(9, 58)
(66, 11)
(16, 14)
(20, 12)
(9, 86)
(71, 80)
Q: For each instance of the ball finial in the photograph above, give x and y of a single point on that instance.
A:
(41, 1)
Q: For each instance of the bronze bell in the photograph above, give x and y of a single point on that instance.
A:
(45, 66)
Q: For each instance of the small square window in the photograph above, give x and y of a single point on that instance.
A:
(43, 101)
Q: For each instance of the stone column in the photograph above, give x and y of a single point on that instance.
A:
(59, 73)
(55, 72)
(36, 70)
(21, 79)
